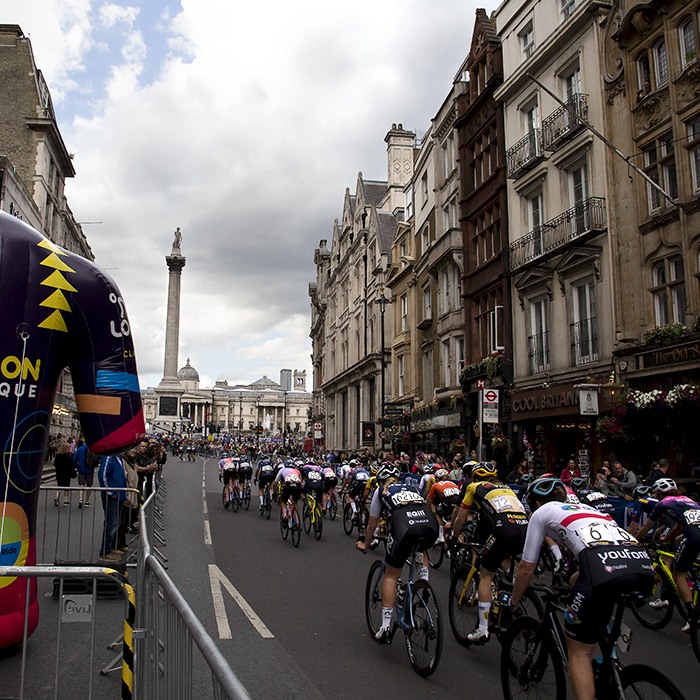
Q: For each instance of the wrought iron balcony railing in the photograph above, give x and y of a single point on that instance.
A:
(538, 352)
(525, 154)
(561, 125)
(584, 342)
(586, 218)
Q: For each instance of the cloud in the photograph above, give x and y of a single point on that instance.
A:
(242, 124)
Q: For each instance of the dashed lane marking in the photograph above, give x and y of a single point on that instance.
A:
(207, 532)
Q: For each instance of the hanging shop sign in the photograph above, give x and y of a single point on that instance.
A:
(588, 402)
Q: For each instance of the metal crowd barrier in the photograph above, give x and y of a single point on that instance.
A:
(163, 650)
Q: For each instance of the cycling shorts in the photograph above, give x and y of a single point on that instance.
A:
(246, 473)
(329, 483)
(265, 479)
(230, 475)
(506, 540)
(315, 487)
(688, 550)
(444, 507)
(357, 488)
(605, 573)
(412, 525)
(291, 490)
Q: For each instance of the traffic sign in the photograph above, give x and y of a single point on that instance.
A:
(480, 384)
(491, 396)
(383, 434)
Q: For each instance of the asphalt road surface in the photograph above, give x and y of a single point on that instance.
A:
(311, 601)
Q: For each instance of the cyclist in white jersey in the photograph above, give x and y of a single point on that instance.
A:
(611, 562)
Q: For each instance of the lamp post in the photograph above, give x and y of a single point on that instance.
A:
(240, 416)
(382, 301)
(284, 423)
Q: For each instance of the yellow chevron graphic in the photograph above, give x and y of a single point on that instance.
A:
(56, 279)
(52, 247)
(54, 322)
(54, 261)
(57, 301)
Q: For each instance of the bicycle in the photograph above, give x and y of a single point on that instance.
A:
(534, 661)
(656, 611)
(332, 505)
(416, 611)
(463, 606)
(266, 504)
(245, 499)
(291, 523)
(226, 497)
(311, 516)
(358, 518)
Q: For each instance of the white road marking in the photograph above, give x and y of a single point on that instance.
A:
(207, 532)
(204, 505)
(217, 579)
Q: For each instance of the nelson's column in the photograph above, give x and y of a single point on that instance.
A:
(170, 390)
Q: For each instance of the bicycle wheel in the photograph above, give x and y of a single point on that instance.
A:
(695, 632)
(529, 668)
(284, 527)
(296, 527)
(306, 517)
(333, 508)
(235, 501)
(435, 555)
(656, 611)
(268, 507)
(647, 683)
(318, 523)
(348, 519)
(224, 501)
(463, 605)
(362, 520)
(424, 641)
(246, 498)
(373, 598)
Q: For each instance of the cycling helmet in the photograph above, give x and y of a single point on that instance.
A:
(484, 470)
(387, 471)
(549, 475)
(641, 491)
(526, 478)
(663, 486)
(545, 489)
(441, 474)
(224, 455)
(373, 471)
(428, 468)
(579, 483)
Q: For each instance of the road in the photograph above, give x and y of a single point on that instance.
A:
(311, 601)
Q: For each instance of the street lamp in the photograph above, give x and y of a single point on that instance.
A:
(382, 301)
(284, 423)
(240, 416)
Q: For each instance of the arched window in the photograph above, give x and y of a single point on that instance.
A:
(687, 42)
(660, 63)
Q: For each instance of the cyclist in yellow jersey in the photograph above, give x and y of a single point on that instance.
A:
(502, 528)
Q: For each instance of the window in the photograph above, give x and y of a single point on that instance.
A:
(409, 201)
(427, 373)
(643, 73)
(668, 291)
(527, 41)
(660, 63)
(445, 292)
(578, 196)
(535, 215)
(538, 342)
(427, 303)
(567, 8)
(584, 332)
(459, 352)
(572, 83)
(486, 234)
(426, 237)
(446, 362)
(694, 153)
(687, 42)
(660, 166)
(424, 188)
(404, 313)
(490, 323)
(402, 254)
(401, 367)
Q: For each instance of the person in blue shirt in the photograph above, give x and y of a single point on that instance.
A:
(112, 476)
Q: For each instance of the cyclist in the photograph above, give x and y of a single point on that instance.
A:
(290, 478)
(442, 498)
(330, 481)
(501, 529)
(427, 480)
(611, 562)
(643, 503)
(590, 497)
(265, 475)
(226, 473)
(245, 473)
(412, 525)
(356, 484)
(312, 482)
(684, 513)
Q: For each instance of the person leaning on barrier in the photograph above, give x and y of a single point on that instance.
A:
(111, 475)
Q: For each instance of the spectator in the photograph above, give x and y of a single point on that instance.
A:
(516, 476)
(85, 462)
(601, 480)
(643, 91)
(659, 470)
(65, 471)
(570, 471)
(622, 482)
(111, 475)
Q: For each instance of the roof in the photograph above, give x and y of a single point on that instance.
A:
(188, 372)
(265, 383)
(387, 228)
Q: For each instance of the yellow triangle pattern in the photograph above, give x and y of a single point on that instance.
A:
(54, 261)
(55, 322)
(57, 300)
(52, 247)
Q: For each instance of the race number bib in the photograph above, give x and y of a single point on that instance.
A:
(692, 517)
(595, 534)
(292, 479)
(505, 503)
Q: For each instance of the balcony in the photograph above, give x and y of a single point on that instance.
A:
(538, 352)
(525, 155)
(561, 125)
(578, 223)
(584, 342)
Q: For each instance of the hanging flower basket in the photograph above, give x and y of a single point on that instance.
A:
(500, 442)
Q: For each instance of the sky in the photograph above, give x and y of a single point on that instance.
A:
(242, 124)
